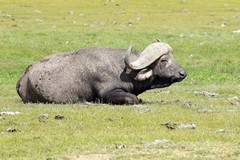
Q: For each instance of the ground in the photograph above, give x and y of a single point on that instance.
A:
(204, 36)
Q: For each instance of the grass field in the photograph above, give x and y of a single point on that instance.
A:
(202, 35)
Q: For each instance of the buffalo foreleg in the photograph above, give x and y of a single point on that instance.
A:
(119, 96)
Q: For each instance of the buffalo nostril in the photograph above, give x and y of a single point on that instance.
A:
(183, 73)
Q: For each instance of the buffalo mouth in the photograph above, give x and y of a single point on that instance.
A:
(181, 75)
(173, 80)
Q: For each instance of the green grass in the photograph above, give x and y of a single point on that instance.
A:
(201, 33)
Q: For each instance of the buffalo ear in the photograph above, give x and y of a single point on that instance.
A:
(144, 74)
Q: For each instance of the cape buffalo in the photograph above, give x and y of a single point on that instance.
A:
(104, 74)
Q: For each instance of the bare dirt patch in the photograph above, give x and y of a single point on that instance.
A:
(89, 157)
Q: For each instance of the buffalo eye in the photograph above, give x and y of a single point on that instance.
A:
(164, 60)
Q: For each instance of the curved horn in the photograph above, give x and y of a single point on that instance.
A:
(127, 56)
(148, 55)
(158, 40)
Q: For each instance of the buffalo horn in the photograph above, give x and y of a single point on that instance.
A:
(150, 54)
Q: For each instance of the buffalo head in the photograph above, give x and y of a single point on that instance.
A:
(155, 62)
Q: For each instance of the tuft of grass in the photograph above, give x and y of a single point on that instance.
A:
(203, 41)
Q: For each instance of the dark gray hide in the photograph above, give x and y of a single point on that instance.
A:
(98, 74)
